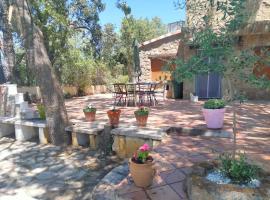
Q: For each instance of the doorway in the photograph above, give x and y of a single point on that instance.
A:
(208, 86)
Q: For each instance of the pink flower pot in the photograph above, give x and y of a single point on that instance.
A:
(214, 118)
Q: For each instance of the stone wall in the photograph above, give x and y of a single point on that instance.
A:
(164, 47)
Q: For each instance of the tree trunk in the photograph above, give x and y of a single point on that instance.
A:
(8, 49)
(50, 88)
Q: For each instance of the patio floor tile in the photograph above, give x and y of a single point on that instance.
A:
(178, 188)
(172, 176)
(163, 193)
(139, 195)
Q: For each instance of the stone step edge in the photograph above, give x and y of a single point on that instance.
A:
(105, 189)
(203, 132)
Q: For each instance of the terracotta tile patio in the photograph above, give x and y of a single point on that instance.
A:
(177, 154)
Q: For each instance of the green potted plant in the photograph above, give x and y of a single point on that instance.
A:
(114, 116)
(141, 116)
(213, 111)
(90, 113)
(141, 167)
(41, 111)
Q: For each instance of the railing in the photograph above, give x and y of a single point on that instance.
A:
(172, 27)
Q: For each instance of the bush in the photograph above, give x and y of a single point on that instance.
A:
(238, 170)
(41, 111)
(214, 104)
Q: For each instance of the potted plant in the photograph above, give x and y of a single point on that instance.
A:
(213, 111)
(90, 113)
(41, 111)
(114, 115)
(141, 116)
(141, 167)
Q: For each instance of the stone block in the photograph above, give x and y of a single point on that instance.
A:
(19, 98)
(125, 147)
(12, 89)
(24, 133)
(43, 134)
(83, 139)
(89, 90)
(133, 144)
(74, 139)
(93, 139)
(6, 129)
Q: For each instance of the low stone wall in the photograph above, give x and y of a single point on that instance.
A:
(72, 90)
(199, 188)
(31, 90)
(88, 90)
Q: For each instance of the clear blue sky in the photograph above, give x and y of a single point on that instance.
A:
(164, 9)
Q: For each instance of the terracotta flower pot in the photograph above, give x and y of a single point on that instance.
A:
(114, 116)
(90, 116)
(214, 117)
(142, 174)
(141, 120)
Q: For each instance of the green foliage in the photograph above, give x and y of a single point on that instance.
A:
(238, 170)
(41, 111)
(214, 36)
(214, 104)
(143, 111)
(89, 109)
(139, 29)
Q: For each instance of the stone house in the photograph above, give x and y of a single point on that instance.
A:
(155, 53)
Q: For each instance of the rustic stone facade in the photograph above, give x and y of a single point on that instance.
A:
(255, 35)
(164, 47)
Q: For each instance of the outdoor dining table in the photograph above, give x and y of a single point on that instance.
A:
(137, 92)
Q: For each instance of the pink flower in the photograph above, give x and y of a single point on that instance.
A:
(144, 147)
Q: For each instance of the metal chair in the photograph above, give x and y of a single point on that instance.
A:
(120, 93)
(131, 94)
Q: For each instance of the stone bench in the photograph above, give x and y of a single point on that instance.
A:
(7, 126)
(127, 139)
(88, 133)
(24, 129)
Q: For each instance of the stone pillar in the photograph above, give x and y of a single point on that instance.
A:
(24, 133)
(43, 134)
(6, 129)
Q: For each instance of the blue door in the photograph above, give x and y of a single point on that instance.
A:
(208, 86)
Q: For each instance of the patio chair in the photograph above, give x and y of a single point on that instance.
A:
(131, 94)
(160, 89)
(120, 93)
(151, 93)
(145, 94)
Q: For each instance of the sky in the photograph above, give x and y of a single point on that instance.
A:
(164, 9)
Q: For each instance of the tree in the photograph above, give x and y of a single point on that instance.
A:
(8, 49)
(139, 29)
(109, 45)
(37, 55)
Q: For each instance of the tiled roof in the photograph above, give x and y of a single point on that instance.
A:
(178, 32)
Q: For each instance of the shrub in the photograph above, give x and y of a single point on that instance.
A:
(142, 111)
(41, 111)
(214, 104)
(238, 170)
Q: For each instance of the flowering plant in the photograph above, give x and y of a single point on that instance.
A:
(89, 108)
(142, 155)
(114, 109)
(142, 111)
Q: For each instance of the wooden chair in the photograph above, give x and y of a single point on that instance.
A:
(120, 93)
